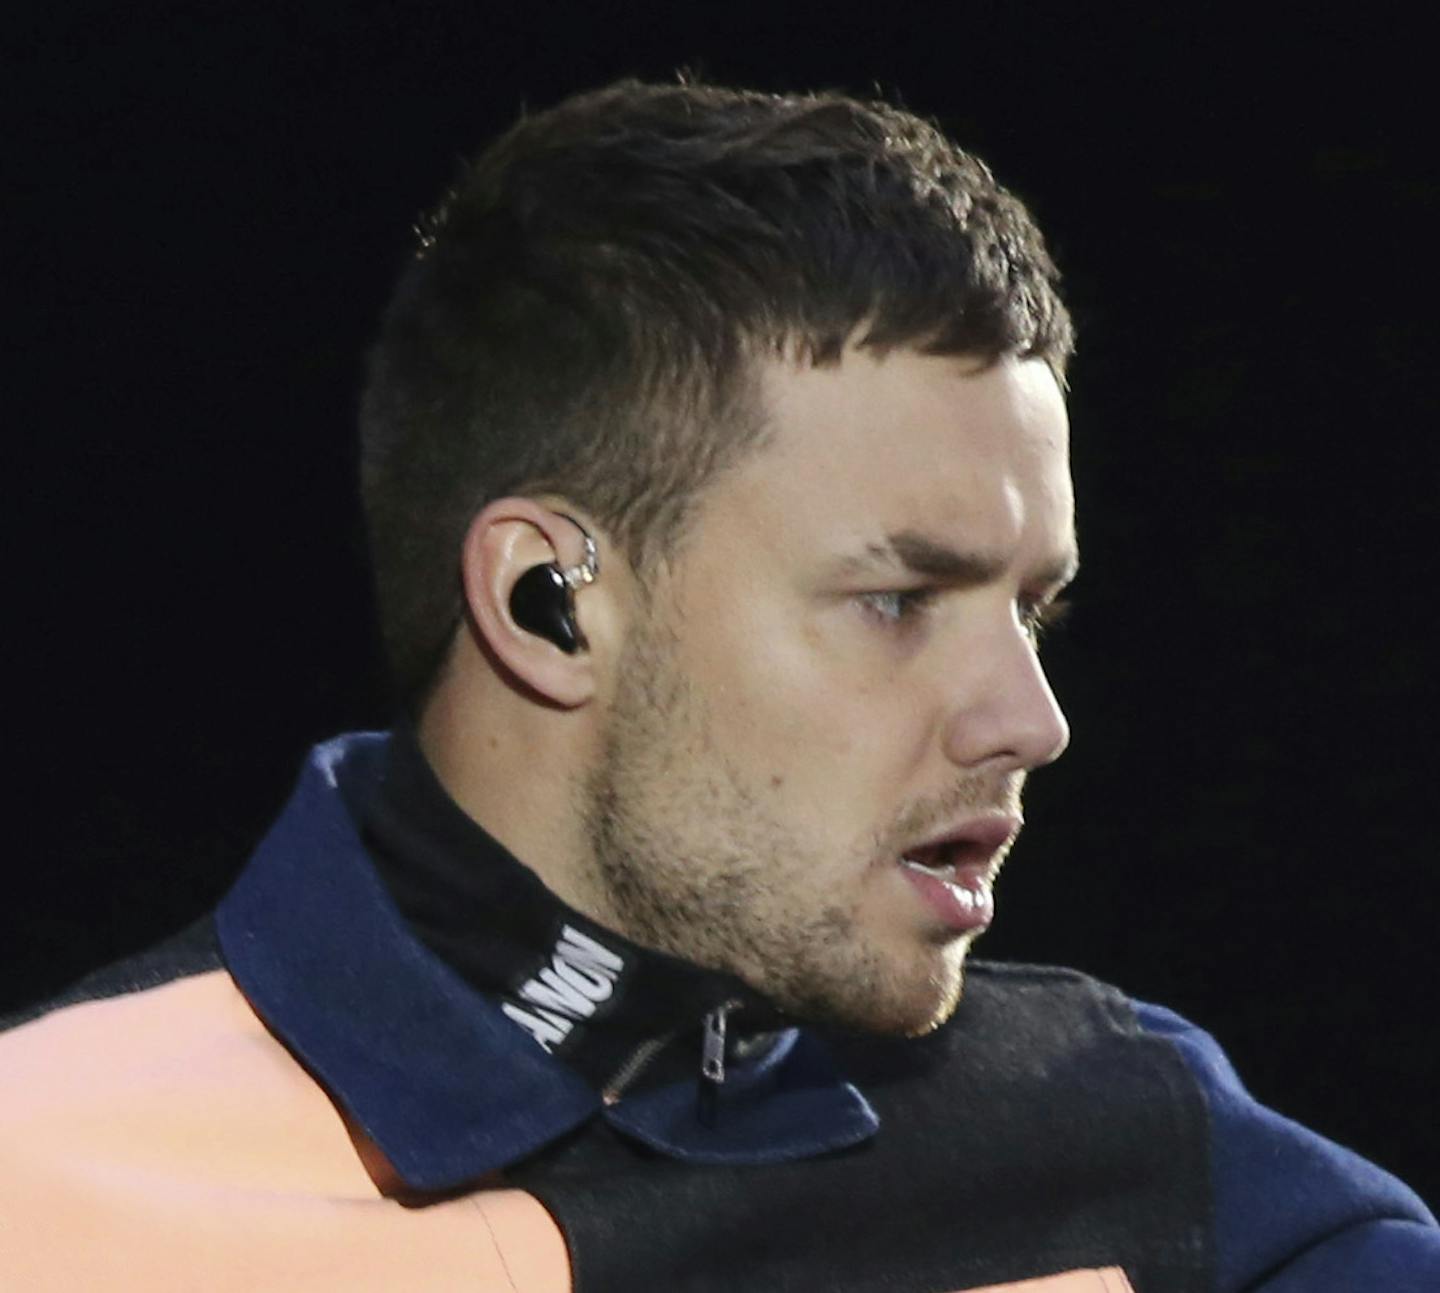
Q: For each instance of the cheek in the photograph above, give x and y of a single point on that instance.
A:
(804, 723)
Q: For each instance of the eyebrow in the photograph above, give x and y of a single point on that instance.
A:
(919, 554)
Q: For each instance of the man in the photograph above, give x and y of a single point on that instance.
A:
(715, 463)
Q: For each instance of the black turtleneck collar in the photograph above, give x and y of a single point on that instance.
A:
(592, 998)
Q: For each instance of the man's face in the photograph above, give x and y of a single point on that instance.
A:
(835, 686)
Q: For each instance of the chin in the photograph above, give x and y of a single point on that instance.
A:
(907, 1000)
(941, 1004)
(924, 991)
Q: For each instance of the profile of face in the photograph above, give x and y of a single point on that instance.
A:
(822, 721)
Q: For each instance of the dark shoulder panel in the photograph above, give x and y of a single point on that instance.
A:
(1011, 1014)
(1040, 1130)
(194, 950)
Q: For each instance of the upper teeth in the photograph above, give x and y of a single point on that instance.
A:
(945, 871)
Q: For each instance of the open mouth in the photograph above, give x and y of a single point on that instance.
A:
(953, 874)
(943, 861)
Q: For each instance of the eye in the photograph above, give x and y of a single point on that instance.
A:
(897, 606)
(1037, 618)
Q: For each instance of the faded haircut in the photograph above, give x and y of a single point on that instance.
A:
(584, 309)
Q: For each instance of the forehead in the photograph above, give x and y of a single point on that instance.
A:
(966, 452)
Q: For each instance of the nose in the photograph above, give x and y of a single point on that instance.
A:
(1004, 715)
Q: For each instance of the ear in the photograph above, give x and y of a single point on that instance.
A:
(510, 537)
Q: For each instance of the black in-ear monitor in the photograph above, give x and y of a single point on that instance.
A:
(543, 599)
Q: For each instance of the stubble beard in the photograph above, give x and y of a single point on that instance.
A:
(688, 861)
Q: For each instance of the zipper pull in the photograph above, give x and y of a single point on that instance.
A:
(712, 1063)
(712, 1059)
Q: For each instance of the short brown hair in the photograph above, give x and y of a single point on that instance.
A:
(583, 308)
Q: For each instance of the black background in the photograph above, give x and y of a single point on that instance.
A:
(213, 201)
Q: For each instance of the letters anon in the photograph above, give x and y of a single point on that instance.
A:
(581, 974)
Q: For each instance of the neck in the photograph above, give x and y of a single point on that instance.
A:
(514, 767)
(584, 993)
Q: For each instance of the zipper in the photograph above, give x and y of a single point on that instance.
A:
(712, 1063)
(633, 1067)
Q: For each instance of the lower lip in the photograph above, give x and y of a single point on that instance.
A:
(966, 912)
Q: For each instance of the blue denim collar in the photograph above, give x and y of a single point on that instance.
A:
(433, 1072)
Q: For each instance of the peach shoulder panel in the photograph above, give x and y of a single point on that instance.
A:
(165, 1140)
